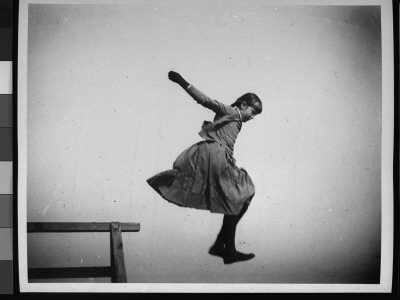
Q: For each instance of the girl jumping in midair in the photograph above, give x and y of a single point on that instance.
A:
(205, 175)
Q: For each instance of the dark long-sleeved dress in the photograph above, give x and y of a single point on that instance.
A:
(205, 175)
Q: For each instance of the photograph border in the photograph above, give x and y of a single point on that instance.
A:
(386, 179)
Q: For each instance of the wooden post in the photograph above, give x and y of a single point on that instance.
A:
(117, 254)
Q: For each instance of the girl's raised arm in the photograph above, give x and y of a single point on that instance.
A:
(197, 95)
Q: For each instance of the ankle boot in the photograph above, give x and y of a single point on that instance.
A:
(236, 256)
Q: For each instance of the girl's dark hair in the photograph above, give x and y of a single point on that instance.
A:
(251, 100)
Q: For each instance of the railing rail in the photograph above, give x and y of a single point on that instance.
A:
(116, 271)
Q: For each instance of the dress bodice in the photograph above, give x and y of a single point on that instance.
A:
(227, 121)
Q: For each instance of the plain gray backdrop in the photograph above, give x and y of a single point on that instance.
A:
(102, 117)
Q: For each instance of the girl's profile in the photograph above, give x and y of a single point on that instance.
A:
(205, 175)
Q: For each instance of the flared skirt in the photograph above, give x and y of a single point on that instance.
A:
(205, 176)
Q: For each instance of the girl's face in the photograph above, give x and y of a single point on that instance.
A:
(248, 112)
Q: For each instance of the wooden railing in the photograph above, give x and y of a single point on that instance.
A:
(116, 271)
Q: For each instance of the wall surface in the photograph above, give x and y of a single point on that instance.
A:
(103, 117)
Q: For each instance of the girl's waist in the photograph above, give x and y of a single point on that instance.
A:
(228, 148)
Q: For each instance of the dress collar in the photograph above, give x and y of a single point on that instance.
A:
(238, 111)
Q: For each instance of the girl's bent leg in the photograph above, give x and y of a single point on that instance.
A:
(218, 248)
(243, 210)
(224, 246)
(231, 255)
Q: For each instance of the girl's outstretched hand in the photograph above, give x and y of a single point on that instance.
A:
(175, 77)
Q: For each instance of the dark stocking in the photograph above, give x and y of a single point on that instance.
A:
(224, 246)
(229, 222)
(228, 229)
(231, 255)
